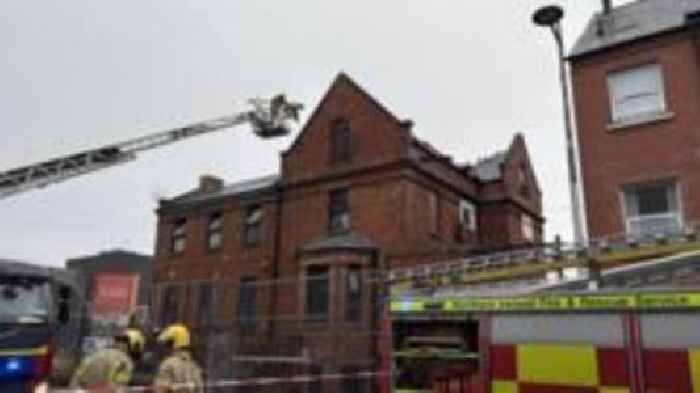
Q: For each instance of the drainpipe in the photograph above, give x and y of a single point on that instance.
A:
(376, 317)
(276, 260)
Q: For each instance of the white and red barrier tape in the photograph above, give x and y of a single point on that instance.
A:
(240, 382)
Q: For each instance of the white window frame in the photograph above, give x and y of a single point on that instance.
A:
(467, 209)
(629, 220)
(616, 113)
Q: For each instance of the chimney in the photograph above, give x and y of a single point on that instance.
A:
(209, 183)
(607, 7)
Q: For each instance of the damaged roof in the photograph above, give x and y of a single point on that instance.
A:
(639, 19)
(242, 187)
(490, 168)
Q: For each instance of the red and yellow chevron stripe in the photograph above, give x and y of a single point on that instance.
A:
(555, 368)
(549, 368)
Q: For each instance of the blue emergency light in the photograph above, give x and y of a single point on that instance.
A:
(16, 367)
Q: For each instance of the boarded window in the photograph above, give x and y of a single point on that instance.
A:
(353, 294)
(215, 231)
(247, 303)
(317, 293)
(252, 225)
(179, 236)
(340, 143)
(338, 211)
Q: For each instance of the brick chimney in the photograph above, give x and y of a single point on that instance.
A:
(210, 183)
(607, 7)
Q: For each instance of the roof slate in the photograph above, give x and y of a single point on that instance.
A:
(631, 21)
(243, 187)
(489, 168)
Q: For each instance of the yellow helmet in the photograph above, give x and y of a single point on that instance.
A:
(133, 338)
(177, 334)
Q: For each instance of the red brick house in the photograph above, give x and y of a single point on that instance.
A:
(636, 85)
(357, 192)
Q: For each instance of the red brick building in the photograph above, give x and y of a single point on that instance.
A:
(357, 192)
(636, 85)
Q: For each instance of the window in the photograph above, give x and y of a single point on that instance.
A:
(467, 215)
(205, 303)
(169, 305)
(340, 142)
(215, 231)
(252, 225)
(317, 293)
(652, 209)
(353, 294)
(527, 227)
(434, 211)
(247, 304)
(636, 92)
(339, 212)
(179, 236)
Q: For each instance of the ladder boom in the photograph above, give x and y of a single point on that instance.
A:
(269, 118)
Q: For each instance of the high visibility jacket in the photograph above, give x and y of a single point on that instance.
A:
(179, 373)
(109, 367)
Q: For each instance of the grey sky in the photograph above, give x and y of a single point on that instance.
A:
(78, 74)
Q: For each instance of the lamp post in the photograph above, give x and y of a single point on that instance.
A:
(550, 16)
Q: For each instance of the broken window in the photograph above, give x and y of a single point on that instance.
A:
(215, 231)
(339, 212)
(179, 236)
(253, 225)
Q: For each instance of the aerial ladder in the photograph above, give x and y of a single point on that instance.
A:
(269, 118)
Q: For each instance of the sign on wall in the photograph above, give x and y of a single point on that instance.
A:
(114, 293)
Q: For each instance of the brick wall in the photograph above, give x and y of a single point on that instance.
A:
(640, 153)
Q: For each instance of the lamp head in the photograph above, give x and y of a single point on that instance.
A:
(548, 16)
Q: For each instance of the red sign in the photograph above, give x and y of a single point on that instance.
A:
(114, 293)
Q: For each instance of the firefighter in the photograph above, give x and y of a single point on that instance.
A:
(110, 369)
(178, 373)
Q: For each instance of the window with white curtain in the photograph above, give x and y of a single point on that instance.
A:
(527, 227)
(636, 92)
(652, 209)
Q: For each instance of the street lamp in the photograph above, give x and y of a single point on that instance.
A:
(550, 16)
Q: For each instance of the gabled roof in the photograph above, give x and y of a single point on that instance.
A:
(257, 184)
(629, 22)
(344, 78)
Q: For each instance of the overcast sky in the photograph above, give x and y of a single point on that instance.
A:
(79, 74)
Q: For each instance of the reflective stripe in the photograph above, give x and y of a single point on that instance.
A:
(609, 389)
(694, 359)
(575, 365)
(25, 352)
(504, 387)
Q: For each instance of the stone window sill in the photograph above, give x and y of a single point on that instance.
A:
(640, 120)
